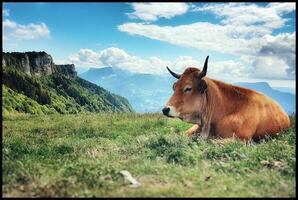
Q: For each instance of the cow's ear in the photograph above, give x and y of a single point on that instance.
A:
(202, 86)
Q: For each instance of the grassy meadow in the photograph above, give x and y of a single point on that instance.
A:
(82, 156)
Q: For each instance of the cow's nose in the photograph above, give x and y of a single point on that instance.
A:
(166, 110)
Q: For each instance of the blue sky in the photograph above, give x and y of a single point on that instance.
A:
(244, 41)
(75, 26)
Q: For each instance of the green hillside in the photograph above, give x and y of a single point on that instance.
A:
(51, 156)
(55, 93)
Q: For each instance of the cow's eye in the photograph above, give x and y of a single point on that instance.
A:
(187, 89)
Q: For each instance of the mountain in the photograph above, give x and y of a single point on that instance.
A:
(81, 70)
(94, 73)
(285, 99)
(285, 89)
(145, 92)
(149, 93)
(32, 83)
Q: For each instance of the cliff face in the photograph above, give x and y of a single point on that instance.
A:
(36, 64)
(68, 70)
(40, 63)
(19, 60)
(32, 83)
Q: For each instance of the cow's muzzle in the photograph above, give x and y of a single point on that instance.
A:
(170, 111)
(166, 111)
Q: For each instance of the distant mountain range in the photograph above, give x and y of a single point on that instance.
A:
(149, 93)
(285, 89)
(145, 92)
(32, 83)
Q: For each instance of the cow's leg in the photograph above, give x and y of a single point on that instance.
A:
(193, 130)
(234, 126)
(247, 129)
(226, 128)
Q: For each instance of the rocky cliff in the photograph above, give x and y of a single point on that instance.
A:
(68, 70)
(32, 83)
(36, 64)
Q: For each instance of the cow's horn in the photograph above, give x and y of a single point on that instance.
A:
(177, 76)
(204, 72)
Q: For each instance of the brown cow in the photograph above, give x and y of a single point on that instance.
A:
(222, 110)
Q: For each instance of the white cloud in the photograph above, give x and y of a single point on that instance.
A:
(9, 24)
(85, 58)
(113, 56)
(116, 57)
(270, 67)
(15, 31)
(153, 11)
(268, 17)
(244, 30)
(230, 68)
(227, 68)
(182, 62)
(201, 35)
(281, 43)
(278, 53)
(5, 12)
(239, 33)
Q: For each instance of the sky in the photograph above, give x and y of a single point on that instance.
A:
(246, 42)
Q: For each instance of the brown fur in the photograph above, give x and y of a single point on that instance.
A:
(225, 110)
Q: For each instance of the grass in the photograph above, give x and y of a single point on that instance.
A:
(82, 156)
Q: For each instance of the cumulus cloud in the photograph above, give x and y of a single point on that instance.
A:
(230, 68)
(5, 12)
(270, 67)
(15, 31)
(9, 24)
(184, 61)
(239, 33)
(244, 30)
(153, 11)
(274, 57)
(201, 35)
(113, 56)
(268, 17)
(119, 58)
(281, 48)
(85, 58)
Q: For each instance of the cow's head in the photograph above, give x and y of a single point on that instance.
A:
(189, 96)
